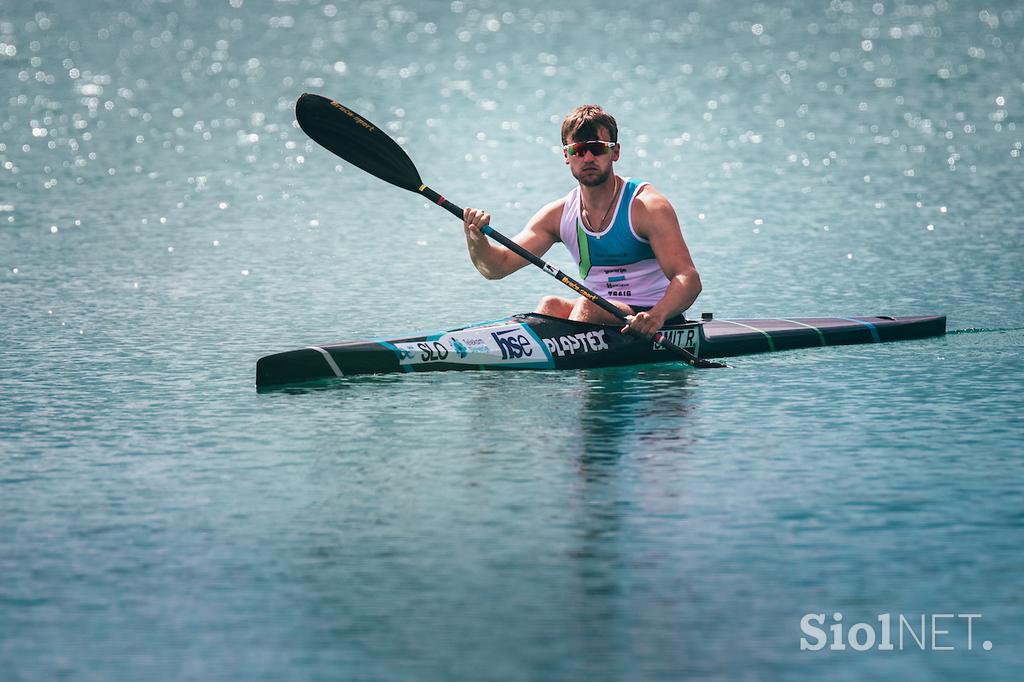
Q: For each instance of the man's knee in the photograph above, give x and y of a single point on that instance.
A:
(586, 310)
(555, 306)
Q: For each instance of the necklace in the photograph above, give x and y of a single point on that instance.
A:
(585, 212)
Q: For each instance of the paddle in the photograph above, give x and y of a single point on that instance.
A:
(353, 138)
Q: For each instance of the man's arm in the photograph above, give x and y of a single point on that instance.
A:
(495, 261)
(655, 220)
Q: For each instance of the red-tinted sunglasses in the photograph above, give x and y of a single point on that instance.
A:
(595, 147)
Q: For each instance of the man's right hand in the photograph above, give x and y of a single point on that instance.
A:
(472, 220)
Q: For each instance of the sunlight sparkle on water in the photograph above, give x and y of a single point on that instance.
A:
(792, 139)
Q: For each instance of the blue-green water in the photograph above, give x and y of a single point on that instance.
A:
(163, 224)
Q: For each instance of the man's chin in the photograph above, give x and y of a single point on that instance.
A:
(593, 178)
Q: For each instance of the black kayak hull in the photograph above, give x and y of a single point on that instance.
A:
(535, 341)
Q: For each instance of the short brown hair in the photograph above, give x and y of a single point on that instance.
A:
(582, 123)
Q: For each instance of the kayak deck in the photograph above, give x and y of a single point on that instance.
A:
(725, 338)
(535, 341)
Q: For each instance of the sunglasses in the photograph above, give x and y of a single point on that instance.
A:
(595, 147)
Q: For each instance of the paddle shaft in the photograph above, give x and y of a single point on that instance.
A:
(565, 279)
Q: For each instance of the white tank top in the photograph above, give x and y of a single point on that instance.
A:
(616, 263)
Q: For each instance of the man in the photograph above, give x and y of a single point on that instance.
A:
(623, 234)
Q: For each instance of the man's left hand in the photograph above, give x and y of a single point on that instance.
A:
(644, 324)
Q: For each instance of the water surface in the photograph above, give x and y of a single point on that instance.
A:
(163, 224)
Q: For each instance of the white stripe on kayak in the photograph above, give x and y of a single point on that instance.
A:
(771, 344)
(821, 337)
(330, 361)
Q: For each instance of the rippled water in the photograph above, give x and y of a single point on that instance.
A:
(163, 223)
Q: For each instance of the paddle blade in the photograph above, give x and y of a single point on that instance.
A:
(353, 138)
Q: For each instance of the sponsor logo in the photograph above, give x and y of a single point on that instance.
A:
(584, 342)
(422, 351)
(354, 116)
(506, 344)
(616, 283)
(513, 344)
(688, 338)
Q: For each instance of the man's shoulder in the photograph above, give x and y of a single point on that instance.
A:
(649, 200)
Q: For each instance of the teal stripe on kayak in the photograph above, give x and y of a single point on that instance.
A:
(398, 353)
(821, 337)
(771, 344)
(872, 328)
(550, 362)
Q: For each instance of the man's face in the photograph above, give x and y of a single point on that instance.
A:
(593, 170)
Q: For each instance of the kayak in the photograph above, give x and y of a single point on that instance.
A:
(536, 341)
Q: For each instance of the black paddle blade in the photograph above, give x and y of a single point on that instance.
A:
(353, 138)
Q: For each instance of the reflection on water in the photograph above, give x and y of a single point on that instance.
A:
(628, 409)
(633, 413)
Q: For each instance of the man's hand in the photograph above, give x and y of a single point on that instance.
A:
(644, 324)
(472, 220)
